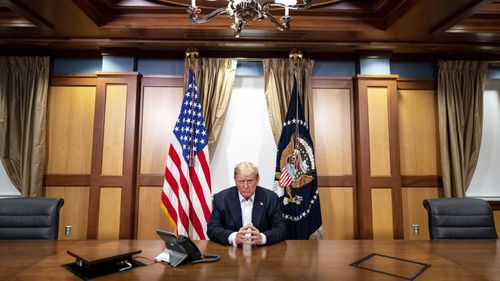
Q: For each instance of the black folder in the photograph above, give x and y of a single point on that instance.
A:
(91, 263)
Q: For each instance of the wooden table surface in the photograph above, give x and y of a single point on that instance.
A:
(290, 260)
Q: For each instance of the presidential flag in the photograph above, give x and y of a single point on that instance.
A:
(186, 197)
(295, 179)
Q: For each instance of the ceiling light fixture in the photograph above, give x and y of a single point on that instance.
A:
(245, 11)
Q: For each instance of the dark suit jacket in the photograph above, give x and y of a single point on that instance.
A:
(267, 215)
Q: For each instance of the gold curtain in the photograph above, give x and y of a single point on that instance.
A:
(278, 82)
(215, 78)
(460, 111)
(23, 105)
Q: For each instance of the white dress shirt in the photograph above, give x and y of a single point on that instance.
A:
(246, 218)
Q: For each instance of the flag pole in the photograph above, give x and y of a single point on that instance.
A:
(191, 92)
(191, 55)
(295, 57)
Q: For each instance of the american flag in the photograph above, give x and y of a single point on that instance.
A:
(186, 196)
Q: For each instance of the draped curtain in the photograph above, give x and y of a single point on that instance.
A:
(215, 80)
(23, 105)
(460, 111)
(279, 75)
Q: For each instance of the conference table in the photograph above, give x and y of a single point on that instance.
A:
(288, 260)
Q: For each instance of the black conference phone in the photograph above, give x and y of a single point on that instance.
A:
(182, 250)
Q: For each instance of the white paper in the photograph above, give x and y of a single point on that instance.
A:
(163, 256)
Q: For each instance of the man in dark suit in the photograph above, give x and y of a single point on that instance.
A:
(246, 212)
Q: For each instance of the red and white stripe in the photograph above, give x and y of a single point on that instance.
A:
(186, 196)
(285, 178)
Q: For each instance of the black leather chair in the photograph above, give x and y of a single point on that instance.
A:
(30, 218)
(460, 218)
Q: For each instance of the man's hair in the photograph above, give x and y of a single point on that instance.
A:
(246, 169)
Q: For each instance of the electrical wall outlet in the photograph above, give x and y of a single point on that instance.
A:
(416, 229)
(67, 230)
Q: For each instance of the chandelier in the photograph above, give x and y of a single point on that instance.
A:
(245, 11)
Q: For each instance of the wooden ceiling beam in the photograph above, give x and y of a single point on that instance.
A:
(299, 23)
(9, 19)
(98, 11)
(216, 43)
(466, 11)
(487, 23)
(26, 11)
(398, 11)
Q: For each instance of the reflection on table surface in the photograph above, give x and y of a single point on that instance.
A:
(289, 260)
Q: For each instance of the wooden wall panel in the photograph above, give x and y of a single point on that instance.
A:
(418, 136)
(74, 211)
(150, 216)
(337, 212)
(497, 221)
(377, 158)
(114, 130)
(382, 213)
(109, 134)
(70, 129)
(158, 119)
(109, 213)
(414, 211)
(378, 124)
(332, 122)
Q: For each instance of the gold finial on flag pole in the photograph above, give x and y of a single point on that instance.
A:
(295, 55)
(191, 55)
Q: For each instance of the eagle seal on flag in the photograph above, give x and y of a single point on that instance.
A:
(297, 168)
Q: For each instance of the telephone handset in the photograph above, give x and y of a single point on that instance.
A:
(182, 249)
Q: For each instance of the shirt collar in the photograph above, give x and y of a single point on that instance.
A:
(242, 199)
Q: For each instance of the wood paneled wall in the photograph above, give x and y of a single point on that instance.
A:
(71, 113)
(92, 153)
(377, 149)
(378, 131)
(419, 152)
(150, 216)
(337, 212)
(418, 132)
(114, 130)
(334, 150)
(70, 129)
(497, 221)
(74, 211)
(382, 213)
(414, 212)
(397, 154)
(375, 141)
(160, 107)
(161, 98)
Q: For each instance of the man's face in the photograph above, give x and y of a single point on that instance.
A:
(246, 185)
